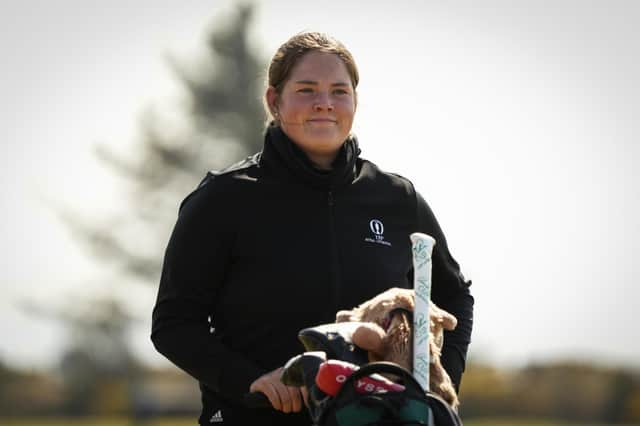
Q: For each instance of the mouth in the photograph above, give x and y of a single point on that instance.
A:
(322, 121)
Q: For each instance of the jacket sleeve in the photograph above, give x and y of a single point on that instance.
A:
(450, 291)
(196, 261)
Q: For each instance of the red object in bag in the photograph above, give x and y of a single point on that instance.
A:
(333, 373)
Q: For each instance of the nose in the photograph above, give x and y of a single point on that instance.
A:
(323, 103)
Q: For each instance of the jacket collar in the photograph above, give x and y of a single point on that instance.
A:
(283, 156)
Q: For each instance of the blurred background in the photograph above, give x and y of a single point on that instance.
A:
(517, 121)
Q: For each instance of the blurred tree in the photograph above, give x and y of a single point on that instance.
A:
(632, 404)
(97, 356)
(27, 393)
(222, 123)
(485, 389)
(623, 387)
(571, 391)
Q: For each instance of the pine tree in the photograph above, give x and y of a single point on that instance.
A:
(224, 123)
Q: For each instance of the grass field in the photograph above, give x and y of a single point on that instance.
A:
(193, 422)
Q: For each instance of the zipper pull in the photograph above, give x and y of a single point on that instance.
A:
(330, 198)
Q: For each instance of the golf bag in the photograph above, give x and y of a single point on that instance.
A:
(349, 403)
(351, 406)
(355, 392)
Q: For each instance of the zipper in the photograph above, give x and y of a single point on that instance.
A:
(335, 263)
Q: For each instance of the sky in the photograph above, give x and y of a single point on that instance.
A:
(516, 120)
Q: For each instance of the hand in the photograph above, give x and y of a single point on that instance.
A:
(288, 399)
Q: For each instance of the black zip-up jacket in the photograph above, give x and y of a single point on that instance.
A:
(271, 246)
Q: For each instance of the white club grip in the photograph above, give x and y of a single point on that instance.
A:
(422, 247)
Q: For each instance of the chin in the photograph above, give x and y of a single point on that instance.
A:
(327, 139)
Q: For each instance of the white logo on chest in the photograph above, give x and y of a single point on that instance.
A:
(377, 229)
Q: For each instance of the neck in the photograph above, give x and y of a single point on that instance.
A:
(322, 162)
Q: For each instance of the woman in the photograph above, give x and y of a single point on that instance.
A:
(285, 239)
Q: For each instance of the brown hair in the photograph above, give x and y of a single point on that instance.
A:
(295, 48)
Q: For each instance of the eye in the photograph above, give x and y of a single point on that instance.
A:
(340, 92)
(305, 90)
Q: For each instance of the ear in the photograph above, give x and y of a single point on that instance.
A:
(369, 336)
(271, 96)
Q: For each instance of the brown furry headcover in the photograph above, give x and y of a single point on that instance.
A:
(387, 335)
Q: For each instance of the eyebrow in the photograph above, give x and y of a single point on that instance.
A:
(312, 82)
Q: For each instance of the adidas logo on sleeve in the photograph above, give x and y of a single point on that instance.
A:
(217, 417)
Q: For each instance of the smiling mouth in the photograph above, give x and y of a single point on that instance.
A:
(322, 120)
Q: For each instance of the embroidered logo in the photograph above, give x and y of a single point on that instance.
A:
(217, 417)
(377, 229)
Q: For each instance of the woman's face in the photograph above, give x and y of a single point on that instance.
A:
(316, 106)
